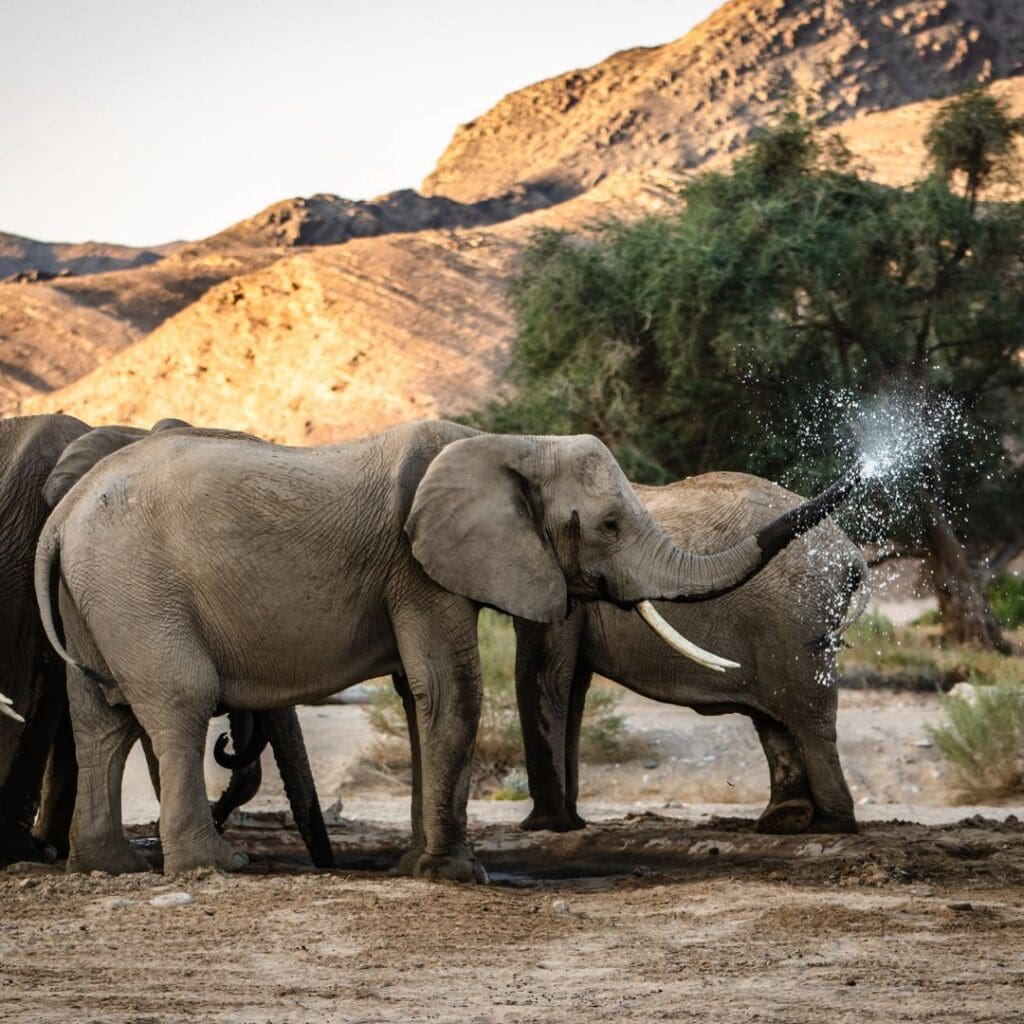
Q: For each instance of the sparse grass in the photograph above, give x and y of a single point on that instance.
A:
(983, 740)
(912, 657)
(498, 757)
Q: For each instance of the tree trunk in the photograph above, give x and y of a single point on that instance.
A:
(967, 617)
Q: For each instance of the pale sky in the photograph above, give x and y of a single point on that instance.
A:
(146, 121)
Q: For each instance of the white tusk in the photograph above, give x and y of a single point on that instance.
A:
(6, 709)
(676, 640)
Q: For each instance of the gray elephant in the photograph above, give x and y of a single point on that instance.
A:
(279, 727)
(40, 458)
(199, 572)
(30, 676)
(782, 628)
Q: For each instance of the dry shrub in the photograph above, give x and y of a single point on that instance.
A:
(983, 740)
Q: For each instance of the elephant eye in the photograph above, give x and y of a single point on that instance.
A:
(611, 525)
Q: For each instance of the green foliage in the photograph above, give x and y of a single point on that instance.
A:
(972, 135)
(983, 740)
(682, 339)
(1006, 594)
(498, 755)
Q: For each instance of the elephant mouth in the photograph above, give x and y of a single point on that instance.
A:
(678, 642)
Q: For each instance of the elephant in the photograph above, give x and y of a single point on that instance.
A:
(196, 572)
(30, 675)
(280, 727)
(782, 627)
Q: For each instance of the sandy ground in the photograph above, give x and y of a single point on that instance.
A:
(691, 765)
(665, 908)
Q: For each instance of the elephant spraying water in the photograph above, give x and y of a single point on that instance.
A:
(200, 573)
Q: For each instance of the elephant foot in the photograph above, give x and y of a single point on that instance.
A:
(408, 860)
(21, 845)
(461, 867)
(115, 858)
(834, 825)
(787, 818)
(214, 853)
(562, 820)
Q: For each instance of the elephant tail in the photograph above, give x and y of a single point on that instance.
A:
(47, 576)
(846, 606)
(858, 593)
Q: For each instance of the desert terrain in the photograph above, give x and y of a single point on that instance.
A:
(323, 318)
(667, 907)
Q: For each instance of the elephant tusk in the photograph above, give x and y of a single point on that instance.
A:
(676, 640)
(6, 709)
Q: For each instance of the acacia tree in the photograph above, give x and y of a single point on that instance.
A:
(679, 338)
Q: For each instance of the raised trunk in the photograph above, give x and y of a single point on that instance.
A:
(672, 574)
(967, 617)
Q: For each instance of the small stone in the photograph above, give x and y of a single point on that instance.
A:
(924, 744)
(960, 908)
(560, 906)
(171, 899)
(119, 903)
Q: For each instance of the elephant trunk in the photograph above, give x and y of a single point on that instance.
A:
(684, 576)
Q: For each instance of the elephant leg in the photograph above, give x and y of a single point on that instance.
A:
(790, 809)
(178, 732)
(285, 736)
(410, 857)
(103, 737)
(442, 664)
(833, 804)
(550, 693)
(152, 764)
(20, 792)
(57, 806)
(577, 705)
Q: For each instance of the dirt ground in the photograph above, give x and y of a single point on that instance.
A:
(663, 909)
(652, 919)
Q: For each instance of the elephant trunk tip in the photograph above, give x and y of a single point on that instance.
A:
(779, 533)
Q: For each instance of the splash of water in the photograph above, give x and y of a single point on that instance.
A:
(902, 431)
(895, 439)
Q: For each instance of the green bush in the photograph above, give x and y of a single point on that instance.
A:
(498, 756)
(1007, 596)
(983, 740)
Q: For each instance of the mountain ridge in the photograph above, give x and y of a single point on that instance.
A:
(323, 318)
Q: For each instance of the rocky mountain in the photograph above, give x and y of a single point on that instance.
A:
(35, 260)
(323, 318)
(335, 341)
(684, 102)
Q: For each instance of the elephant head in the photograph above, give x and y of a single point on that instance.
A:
(525, 524)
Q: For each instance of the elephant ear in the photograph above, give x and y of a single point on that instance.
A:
(84, 452)
(476, 526)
